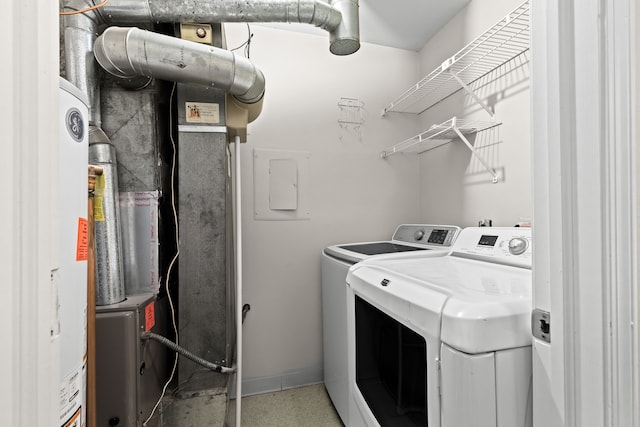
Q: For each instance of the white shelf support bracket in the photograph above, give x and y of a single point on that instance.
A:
(492, 171)
(473, 95)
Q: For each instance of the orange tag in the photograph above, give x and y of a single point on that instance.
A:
(82, 247)
(149, 317)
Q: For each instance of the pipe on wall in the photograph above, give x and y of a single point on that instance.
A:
(110, 288)
(239, 304)
(130, 52)
(345, 38)
(340, 18)
(80, 32)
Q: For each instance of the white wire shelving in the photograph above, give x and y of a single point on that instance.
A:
(438, 135)
(499, 44)
(495, 47)
(444, 133)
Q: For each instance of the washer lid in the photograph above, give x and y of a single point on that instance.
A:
(356, 252)
(378, 248)
(485, 306)
(406, 238)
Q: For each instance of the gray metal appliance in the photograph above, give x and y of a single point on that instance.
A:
(130, 372)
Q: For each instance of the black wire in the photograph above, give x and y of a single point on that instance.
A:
(246, 44)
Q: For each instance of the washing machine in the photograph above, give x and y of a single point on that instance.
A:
(429, 240)
(445, 341)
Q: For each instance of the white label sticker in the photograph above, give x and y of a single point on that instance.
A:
(202, 112)
(72, 392)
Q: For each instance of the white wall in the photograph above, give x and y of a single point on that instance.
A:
(355, 195)
(455, 187)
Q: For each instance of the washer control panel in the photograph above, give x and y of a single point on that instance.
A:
(506, 245)
(427, 234)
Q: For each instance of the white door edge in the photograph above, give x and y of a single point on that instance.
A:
(585, 212)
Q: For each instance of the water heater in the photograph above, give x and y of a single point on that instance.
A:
(71, 275)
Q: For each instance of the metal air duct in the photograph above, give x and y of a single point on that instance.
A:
(110, 287)
(340, 17)
(129, 52)
(345, 39)
(80, 32)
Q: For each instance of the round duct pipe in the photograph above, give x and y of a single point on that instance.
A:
(340, 18)
(109, 273)
(80, 32)
(129, 52)
(345, 39)
(314, 12)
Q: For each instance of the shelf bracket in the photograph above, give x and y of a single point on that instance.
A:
(492, 171)
(473, 94)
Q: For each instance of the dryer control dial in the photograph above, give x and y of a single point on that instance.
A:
(518, 245)
(418, 235)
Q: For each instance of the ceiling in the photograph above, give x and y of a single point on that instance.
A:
(403, 24)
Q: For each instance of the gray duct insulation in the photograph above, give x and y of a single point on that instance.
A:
(130, 52)
(340, 17)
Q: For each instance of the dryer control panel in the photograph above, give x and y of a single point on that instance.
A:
(504, 245)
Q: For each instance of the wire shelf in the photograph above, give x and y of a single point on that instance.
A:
(504, 41)
(438, 135)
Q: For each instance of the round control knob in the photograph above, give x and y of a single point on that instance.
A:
(518, 245)
(418, 235)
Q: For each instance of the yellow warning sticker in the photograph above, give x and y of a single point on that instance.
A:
(98, 198)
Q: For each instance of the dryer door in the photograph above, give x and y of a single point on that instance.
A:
(391, 367)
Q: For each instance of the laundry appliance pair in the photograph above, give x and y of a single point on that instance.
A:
(439, 340)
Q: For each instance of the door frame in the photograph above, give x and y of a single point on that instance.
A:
(585, 211)
(30, 356)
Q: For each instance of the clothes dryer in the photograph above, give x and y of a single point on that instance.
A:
(446, 341)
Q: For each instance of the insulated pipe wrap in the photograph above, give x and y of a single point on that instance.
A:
(315, 12)
(129, 52)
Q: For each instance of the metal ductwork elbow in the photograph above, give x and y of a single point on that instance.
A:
(131, 52)
(340, 18)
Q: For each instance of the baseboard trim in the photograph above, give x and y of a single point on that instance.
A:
(287, 380)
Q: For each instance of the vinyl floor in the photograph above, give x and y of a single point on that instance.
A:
(307, 406)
